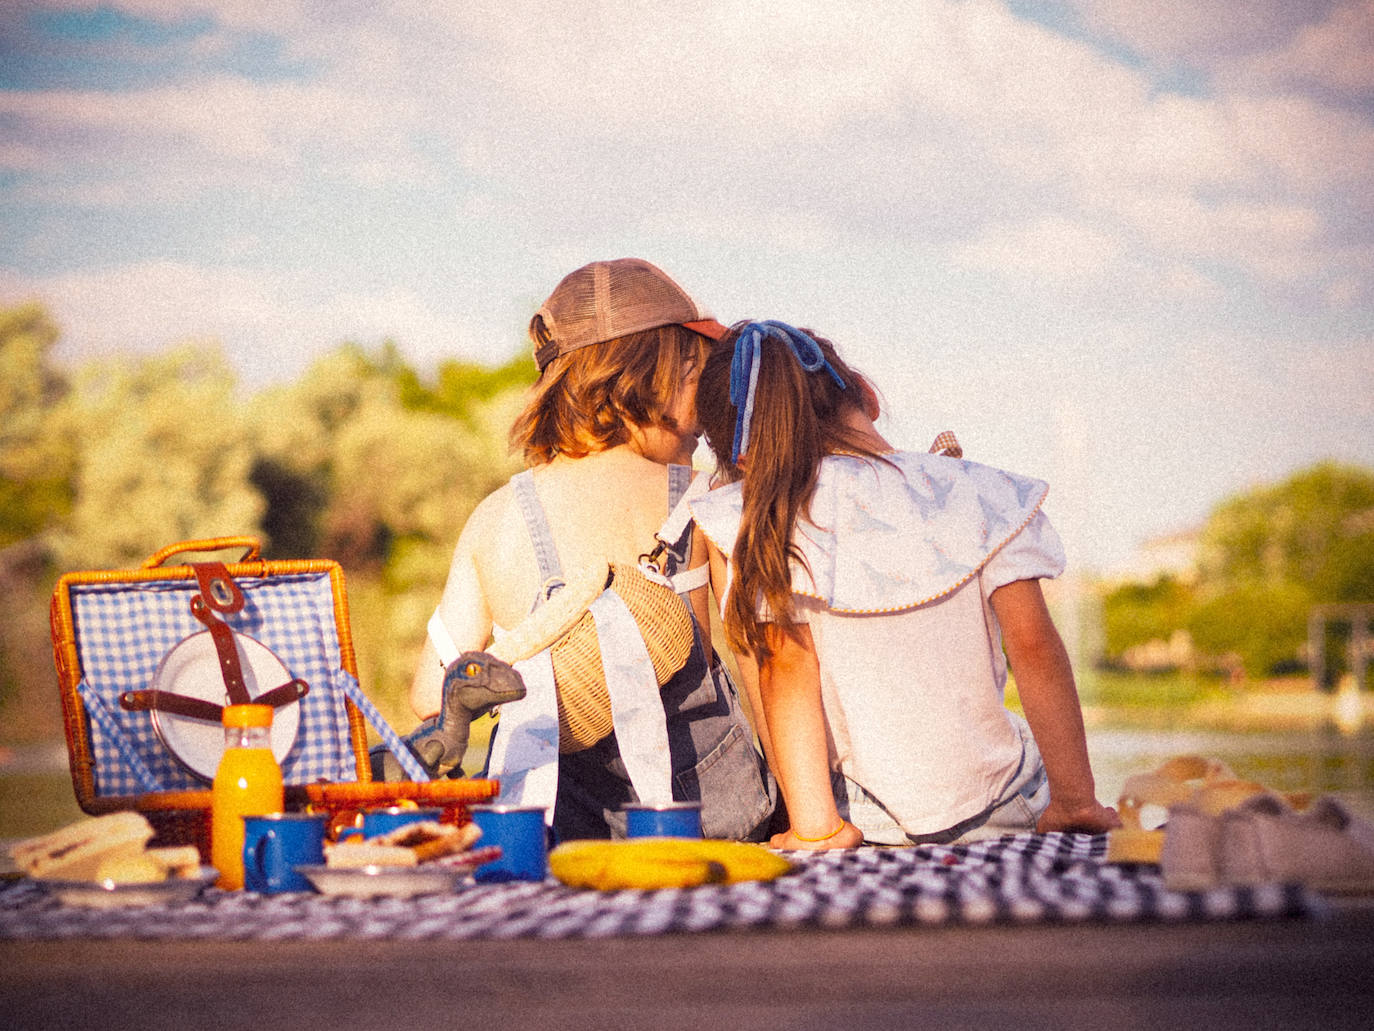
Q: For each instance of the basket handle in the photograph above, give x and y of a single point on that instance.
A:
(251, 545)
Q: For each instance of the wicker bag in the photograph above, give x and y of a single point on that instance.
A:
(565, 626)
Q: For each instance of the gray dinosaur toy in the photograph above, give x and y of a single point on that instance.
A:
(474, 684)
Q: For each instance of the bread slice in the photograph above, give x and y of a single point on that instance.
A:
(177, 860)
(76, 852)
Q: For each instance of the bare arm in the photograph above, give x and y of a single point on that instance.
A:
(699, 599)
(1044, 678)
(748, 668)
(790, 691)
(465, 614)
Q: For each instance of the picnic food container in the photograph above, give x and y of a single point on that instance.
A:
(142, 659)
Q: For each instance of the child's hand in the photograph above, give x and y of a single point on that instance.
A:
(849, 836)
(1089, 818)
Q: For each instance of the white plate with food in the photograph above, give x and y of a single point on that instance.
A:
(109, 894)
(437, 877)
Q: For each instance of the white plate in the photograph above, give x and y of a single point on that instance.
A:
(107, 895)
(192, 668)
(395, 881)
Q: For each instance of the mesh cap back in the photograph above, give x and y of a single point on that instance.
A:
(610, 299)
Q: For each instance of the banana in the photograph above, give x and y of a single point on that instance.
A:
(648, 864)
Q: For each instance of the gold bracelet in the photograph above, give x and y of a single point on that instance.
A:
(825, 837)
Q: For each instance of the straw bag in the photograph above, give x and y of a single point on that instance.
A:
(564, 625)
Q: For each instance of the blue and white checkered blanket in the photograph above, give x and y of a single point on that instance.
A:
(1027, 879)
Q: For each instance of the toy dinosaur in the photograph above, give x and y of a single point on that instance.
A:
(474, 684)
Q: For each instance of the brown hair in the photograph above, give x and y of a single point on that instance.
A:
(586, 400)
(799, 418)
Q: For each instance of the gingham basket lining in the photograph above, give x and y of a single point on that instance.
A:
(125, 629)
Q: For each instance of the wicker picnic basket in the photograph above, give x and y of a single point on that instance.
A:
(112, 631)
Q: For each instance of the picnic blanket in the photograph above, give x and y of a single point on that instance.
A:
(1026, 879)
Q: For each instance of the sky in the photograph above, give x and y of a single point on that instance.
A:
(1123, 245)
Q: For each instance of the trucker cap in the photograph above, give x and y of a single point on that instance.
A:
(609, 299)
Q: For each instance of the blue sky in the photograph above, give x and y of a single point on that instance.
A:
(1126, 246)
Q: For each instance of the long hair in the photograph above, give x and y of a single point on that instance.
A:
(586, 400)
(799, 418)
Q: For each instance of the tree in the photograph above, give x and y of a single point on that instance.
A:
(1266, 557)
(1315, 529)
(1269, 555)
(379, 465)
(1135, 614)
(165, 456)
(36, 458)
(374, 468)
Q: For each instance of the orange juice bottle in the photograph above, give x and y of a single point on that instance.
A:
(247, 783)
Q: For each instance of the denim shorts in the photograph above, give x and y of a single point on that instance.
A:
(1016, 812)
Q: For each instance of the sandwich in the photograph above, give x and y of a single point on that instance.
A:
(410, 845)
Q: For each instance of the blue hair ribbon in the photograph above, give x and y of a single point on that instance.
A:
(744, 370)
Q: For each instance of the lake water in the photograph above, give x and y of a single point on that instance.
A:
(1321, 759)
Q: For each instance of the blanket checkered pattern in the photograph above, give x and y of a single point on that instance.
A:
(1027, 879)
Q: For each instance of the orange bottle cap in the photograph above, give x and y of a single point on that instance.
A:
(247, 716)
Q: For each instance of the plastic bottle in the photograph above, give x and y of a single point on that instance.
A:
(247, 783)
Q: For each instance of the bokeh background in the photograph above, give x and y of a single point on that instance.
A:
(266, 268)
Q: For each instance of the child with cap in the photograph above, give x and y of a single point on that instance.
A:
(870, 594)
(607, 433)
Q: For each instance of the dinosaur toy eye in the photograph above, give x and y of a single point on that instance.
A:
(472, 669)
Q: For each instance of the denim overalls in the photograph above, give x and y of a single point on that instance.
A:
(711, 745)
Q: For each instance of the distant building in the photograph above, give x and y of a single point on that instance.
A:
(1173, 554)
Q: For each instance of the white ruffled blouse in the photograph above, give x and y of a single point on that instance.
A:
(901, 557)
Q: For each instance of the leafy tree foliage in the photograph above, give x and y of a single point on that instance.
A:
(164, 456)
(1266, 557)
(36, 458)
(1315, 529)
(1135, 614)
(361, 459)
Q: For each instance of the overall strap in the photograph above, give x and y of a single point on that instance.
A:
(679, 479)
(674, 536)
(537, 524)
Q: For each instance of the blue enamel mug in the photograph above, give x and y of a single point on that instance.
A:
(523, 838)
(375, 822)
(275, 844)
(666, 820)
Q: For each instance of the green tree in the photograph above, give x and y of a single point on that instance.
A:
(36, 457)
(1265, 558)
(165, 456)
(1269, 555)
(1134, 614)
(1315, 529)
(371, 466)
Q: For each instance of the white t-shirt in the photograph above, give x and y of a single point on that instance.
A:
(900, 561)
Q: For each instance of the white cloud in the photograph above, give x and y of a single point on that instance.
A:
(270, 327)
(1061, 251)
(1022, 212)
(210, 125)
(1332, 54)
(1197, 30)
(1302, 144)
